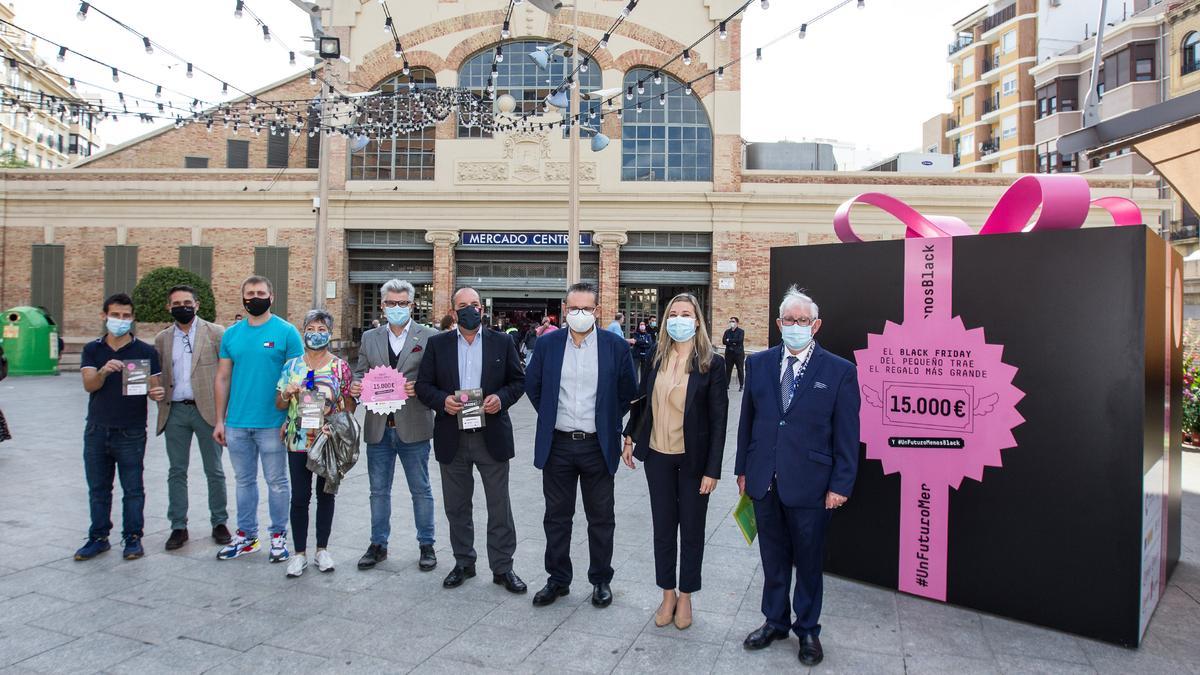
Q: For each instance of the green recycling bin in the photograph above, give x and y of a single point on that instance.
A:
(30, 342)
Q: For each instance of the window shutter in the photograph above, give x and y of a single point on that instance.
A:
(237, 154)
(120, 269)
(195, 162)
(46, 279)
(197, 260)
(277, 149)
(272, 262)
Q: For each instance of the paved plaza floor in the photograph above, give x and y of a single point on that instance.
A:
(186, 612)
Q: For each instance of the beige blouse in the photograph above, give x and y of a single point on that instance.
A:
(670, 392)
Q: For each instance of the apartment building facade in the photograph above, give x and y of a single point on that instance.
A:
(991, 126)
(35, 137)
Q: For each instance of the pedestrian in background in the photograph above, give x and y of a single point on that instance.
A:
(189, 349)
(252, 355)
(114, 440)
(319, 373)
(678, 432)
(734, 340)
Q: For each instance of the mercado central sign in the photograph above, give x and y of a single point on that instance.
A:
(523, 239)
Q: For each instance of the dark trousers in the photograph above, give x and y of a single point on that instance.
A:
(787, 538)
(570, 463)
(107, 453)
(302, 488)
(735, 360)
(458, 489)
(677, 509)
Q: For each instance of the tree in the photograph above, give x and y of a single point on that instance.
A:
(150, 294)
(8, 160)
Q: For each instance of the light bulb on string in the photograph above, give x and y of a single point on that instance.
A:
(116, 77)
(224, 88)
(687, 88)
(862, 4)
(291, 58)
(397, 52)
(657, 77)
(687, 57)
(158, 91)
(641, 87)
(583, 67)
(662, 99)
(505, 33)
(803, 30)
(62, 54)
(266, 33)
(720, 72)
(628, 93)
(499, 58)
(721, 32)
(406, 70)
(603, 44)
(387, 25)
(237, 9)
(83, 10)
(312, 77)
(189, 71)
(639, 107)
(627, 9)
(766, 4)
(146, 45)
(758, 54)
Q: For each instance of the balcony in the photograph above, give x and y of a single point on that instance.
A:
(951, 124)
(988, 147)
(1000, 17)
(1179, 232)
(961, 43)
(957, 160)
(990, 64)
(991, 104)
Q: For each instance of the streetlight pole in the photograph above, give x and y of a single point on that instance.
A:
(573, 217)
(320, 236)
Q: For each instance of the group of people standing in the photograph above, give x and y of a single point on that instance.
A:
(245, 388)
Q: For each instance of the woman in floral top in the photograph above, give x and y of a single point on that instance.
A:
(316, 372)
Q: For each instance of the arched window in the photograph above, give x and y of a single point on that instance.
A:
(519, 76)
(668, 141)
(403, 156)
(1191, 52)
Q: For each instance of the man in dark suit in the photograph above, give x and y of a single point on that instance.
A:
(797, 456)
(734, 340)
(581, 382)
(472, 357)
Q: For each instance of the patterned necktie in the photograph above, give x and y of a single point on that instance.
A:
(786, 384)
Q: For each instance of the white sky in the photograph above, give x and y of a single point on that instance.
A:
(869, 76)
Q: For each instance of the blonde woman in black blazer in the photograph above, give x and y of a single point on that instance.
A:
(678, 432)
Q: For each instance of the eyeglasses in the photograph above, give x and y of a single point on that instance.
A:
(803, 321)
(392, 304)
(187, 343)
(576, 311)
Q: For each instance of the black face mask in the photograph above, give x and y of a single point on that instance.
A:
(183, 315)
(256, 306)
(469, 318)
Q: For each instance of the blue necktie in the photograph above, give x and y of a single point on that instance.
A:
(786, 384)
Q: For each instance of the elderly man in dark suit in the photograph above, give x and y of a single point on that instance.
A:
(581, 382)
(474, 357)
(797, 456)
(402, 435)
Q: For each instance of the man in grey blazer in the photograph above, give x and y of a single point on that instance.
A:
(405, 435)
(188, 351)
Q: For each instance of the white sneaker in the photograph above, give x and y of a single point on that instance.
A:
(297, 566)
(324, 561)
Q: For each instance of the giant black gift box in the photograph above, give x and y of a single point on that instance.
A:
(1091, 319)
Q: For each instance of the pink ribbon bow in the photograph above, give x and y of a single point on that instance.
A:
(1064, 202)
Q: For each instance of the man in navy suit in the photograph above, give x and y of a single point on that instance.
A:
(797, 455)
(581, 382)
(474, 357)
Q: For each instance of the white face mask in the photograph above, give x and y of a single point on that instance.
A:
(581, 322)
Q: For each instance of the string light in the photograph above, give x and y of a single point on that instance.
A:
(641, 87)
(803, 30)
(115, 75)
(62, 54)
(291, 58)
(662, 99)
(266, 33)
(862, 4)
(758, 54)
(146, 44)
(720, 72)
(499, 55)
(766, 4)
(603, 44)
(399, 53)
(237, 9)
(387, 25)
(657, 77)
(83, 10)
(189, 71)
(721, 32)
(687, 57)
(505, 33)
(627, 9)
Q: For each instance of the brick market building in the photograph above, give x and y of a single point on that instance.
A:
(667, 207)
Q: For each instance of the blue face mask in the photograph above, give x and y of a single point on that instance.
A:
(316, 340)
(118, 327)
(681, 328)
(397, 316)
(796, 337)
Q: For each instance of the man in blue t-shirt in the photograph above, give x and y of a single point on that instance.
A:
(252, 355)
(114, 440)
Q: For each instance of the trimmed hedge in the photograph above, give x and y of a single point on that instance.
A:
(150, 294)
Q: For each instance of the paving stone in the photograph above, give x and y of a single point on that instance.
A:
(243, 629)
(90, 654)
(1005, 636)
(160, 625)
(492, 646)
(30, 607)
(577, 652)
(1013, 664)
(18, 642)
(273, 660)
(404, 642)
(947, 664)
(177, 656)
(652, 653)
(320, 635)
(89, 617)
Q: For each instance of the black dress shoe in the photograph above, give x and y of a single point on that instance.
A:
(428, 559)
(458, 575)
(510, 581)
(177, 539)
(810, 650)
(221, 534)
(763, 637)
(549, 593)
(375, 554)
(601, 595)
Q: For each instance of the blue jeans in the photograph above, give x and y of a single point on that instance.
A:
(248, 447)
(381, 468)
(108, 452)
